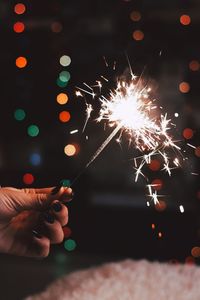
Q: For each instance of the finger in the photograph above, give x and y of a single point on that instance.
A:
(47, 190)
(52, 229)
(60, 212)
(38, 247)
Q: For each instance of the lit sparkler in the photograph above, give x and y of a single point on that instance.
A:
(131, 111)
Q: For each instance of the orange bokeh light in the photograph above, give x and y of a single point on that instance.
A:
(157, 184)
(70, 150)
(56, 27)
(28, 178)
(20, 8)
(188, 133)
(21, 62)
(194, 65)
(184, 87)
(197, 151)
(161, 206)
(185, 20)
(153, 226)
(18, 27)
(138, 35)
(62, 98)
(154, 165)
(135, 16)
(64, 116)
(195, 251)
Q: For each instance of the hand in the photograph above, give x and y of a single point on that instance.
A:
(31, 220)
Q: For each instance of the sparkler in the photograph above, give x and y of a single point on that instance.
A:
(131, 111)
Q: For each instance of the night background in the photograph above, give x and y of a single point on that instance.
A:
(48, 48)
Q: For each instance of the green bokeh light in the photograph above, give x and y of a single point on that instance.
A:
(60, 258)
(65, 182)
(33, 130)
(19, 114)
(61, 83)
(64, 76)
(70, 245)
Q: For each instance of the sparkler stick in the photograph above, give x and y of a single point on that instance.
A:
(105, 143)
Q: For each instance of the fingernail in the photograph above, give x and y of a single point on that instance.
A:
(49, 218)
(56, 189)
(67, 197)
(57, 206)
(36, 234)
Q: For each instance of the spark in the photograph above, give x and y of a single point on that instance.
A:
(78, 94)
(74, 131)
(181, 209)
(105, 61)
(87, 92)
(89, 110)
(192, 146)
(104, 78)
(195, 174)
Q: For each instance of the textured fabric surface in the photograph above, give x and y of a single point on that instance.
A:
(127, 280)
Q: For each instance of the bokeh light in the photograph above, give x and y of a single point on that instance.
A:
(21, 62)
(67, 231)
(184, 87)
(35, 159)
(161, 206)
(154, 165)
(160, 235)
(33, 130)
(188, 133)
(65, 182)
(64, 76)
(135, 16)
(157, 184)
(61, 83)
(138, 35)
(197, 151)
(153, 226)
(19, 114)
(194, 65)
(18, 27)
(19, 8)
(64, 116)
(70, 245)
(70, 150)
(28, 178)
(62, 98)
(195, 251)
(65, 60)
(56, 27)
(185, 20)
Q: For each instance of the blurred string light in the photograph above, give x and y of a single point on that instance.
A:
(138, 35)
(56, 27)
(61, 83)
(161, 206)
(62, 98)
(188, 133)
(19, 114)
(35, 159)
(64, 116)
(197, 151)
(28, 178)
(195, 252)
(184, 87)
(64, 76)
(185, 20)
(135, 16)
(19, 27)
(33, 130)
(194, 65)
(21, 62)
(154, 165)
(70, 245)
(19, 8)
(65, 60)
(70, 150)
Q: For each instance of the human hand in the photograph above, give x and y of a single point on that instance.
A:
(31, 220)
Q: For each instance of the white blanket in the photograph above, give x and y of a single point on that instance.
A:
(127, 280)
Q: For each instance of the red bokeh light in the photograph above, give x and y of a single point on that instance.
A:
(28, 178)
(188, 133)
(18, 27)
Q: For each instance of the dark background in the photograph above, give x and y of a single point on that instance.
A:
(109, 217)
